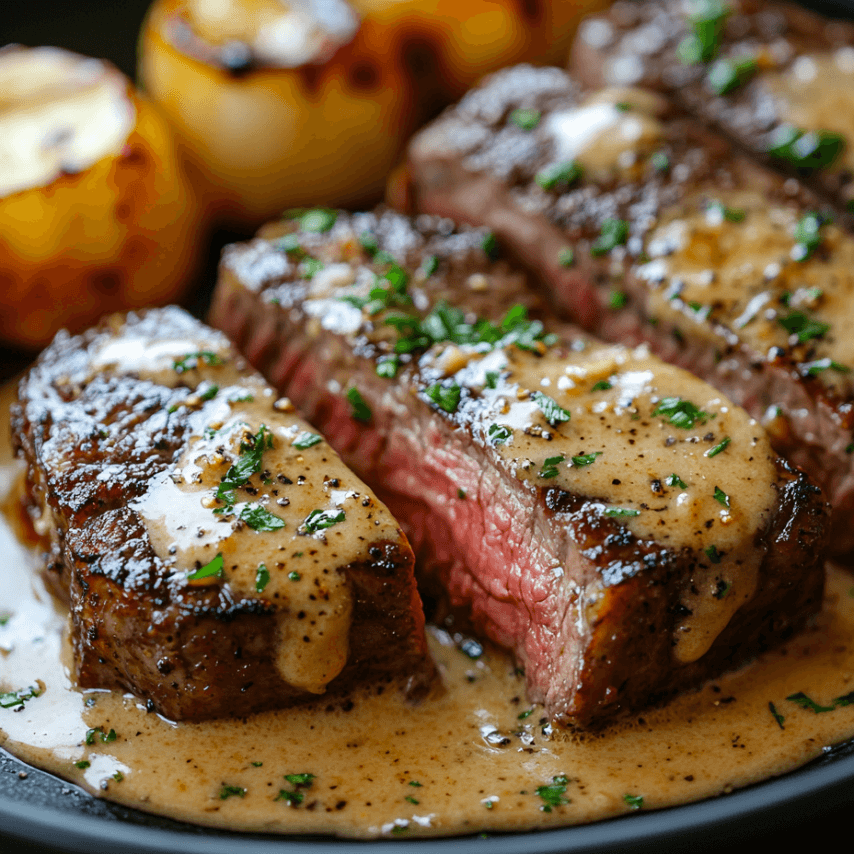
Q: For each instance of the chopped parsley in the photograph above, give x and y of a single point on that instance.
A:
(310, 267)
(675, 480)
(713, 452)
(806, 151)
(566, 257)
(498, 434)
(617, 300)
(247, 464)
(10, 699)
(526, 714)
(82, 764)
(191, 360)
(302, 780)
(106, 737)
(680, 413)
(411, 800)
(319, 520)
(713, 554)
(552, 410)
(634, 802)
(387, 367)
(293, 799)
(210, 393)
(777, 716)
(491, 378)
(260, 519)
(550, 465)
(813, 369)
(721, 497)
(586, 459)
(553, 795)
(446, 397)
(602, 385)
(727, 213)
(213, 569)
(621, 511)
(227, 792)
(314, 219)
(728, 74)
(525, 119)
(306, 440)
(558, 173)
(415, 783)
(4, 618)
(802, 700)
(706, 23)
(368, 242)
(808, 235)
(359, 409)
(262, 577)
(429, 266)
(489, 245)
(293, 575)
(118, 776)
(614, 232)
(660, 161)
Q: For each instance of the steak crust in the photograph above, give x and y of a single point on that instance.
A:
(593, 607)
(108, 420)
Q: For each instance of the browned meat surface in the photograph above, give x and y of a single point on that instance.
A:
(622, 553)
(217, 556)
(643, 226)
(775, 76)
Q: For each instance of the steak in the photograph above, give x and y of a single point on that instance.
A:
(774, 76)
(644, 226)
(615, 522)
(216, 555)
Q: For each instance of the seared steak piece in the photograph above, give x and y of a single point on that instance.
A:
(776, 77)
(615, 522)
(644, 227)
(217, 556)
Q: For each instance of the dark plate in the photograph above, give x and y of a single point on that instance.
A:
(808, 809)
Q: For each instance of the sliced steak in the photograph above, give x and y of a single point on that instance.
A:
(774, 76)
(217, 556)
(615, 522)
(645, 227)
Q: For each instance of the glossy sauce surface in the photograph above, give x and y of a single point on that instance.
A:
(477, 757)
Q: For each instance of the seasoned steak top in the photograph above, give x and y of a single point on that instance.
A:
(616, 432)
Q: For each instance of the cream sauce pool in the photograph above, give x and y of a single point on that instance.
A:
(478, 757)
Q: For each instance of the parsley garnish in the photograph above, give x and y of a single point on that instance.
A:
(713, 554)
(209, 570)
(498, 434)
(586, 459)
(262, 577)
(209, 393)
(550, 465)
(813, 369)
(552, 410)
(808, 235)
(713, 452)
(247, 464)
(602, 385)
(721, 497)
(805, 702)
(558, 173)
(660, 161)
(415, 783)
(706, 22)
(412, 800)
(806, 151)
(318, 520)
(82, 764)
(617, 300)
(777, 716)
(293, 575)
(303, 780)
(231, 791)
(553, 795)
(430, 265)
(191, 360)
(306, 440)
(491, 378)
(446, 397)
(614, 232)
(680, 413)
(525, 119)
(293, 798)
(315, 219)
(566, 257)
(118, 776)
(387, 367)
(675, 480)
(728, 74)
(106, 737)
(526, 714)
(729, 214)
(621, 511)
(359, 409)
(260, 519)
(489, 245)
(634, 802)
(18, 698)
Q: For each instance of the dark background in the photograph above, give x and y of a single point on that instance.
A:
(820, 821)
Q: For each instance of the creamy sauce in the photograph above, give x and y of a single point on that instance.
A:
(59, 113)
(746, 275)
(814, 93)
